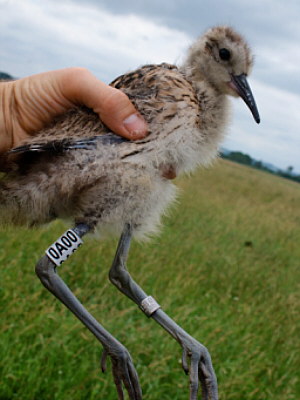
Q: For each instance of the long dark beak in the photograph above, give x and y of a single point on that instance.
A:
(242, 87)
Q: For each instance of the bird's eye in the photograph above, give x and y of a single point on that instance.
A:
(224, 54)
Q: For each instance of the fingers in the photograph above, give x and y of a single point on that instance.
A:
(112, 105)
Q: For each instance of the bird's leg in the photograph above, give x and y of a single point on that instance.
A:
(196, 360)
(122, 365)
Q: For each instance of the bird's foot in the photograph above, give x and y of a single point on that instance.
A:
(123, 372)
(196, 362)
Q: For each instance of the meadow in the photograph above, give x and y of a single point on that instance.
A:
(225, 267)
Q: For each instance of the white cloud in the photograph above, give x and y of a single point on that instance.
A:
(48, 35)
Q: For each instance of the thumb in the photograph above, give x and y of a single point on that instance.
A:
(113, 106)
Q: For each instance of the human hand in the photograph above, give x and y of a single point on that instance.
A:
(28, 104)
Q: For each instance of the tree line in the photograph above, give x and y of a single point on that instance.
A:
(242, 158)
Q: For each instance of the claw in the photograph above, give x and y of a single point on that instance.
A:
(103, 360)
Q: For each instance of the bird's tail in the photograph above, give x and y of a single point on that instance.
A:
(10, 206)
(26, 202)
(16, 205)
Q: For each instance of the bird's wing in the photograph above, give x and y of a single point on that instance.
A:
(59, 146)
(81, 128)
(149, 88)
(55, 146)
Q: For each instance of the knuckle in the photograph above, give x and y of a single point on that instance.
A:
(72, 82)
(79, 72)
(117, 102)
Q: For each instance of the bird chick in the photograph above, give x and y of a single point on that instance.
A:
(76, 168)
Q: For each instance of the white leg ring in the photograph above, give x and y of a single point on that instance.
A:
(149, 305)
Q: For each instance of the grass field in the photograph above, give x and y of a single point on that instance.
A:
(225, 267)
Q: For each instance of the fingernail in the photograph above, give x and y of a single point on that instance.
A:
(136, 126)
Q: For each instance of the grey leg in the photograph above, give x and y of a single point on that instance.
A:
(122, 366)
(196, 360)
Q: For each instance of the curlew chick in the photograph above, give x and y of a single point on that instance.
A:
(76, 168)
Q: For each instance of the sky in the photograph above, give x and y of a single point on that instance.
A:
(111, 37)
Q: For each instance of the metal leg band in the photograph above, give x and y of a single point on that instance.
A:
(149, 305)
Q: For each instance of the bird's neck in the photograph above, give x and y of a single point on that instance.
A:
(214, 109)
(212, 102)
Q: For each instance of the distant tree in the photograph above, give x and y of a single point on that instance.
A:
(4, 75)
(240, 157)
(258, 164)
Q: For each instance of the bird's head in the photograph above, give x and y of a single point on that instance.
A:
(222, 57)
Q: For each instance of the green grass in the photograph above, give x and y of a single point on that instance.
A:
(225, 267)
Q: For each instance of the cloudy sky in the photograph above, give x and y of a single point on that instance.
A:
(111, 37)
